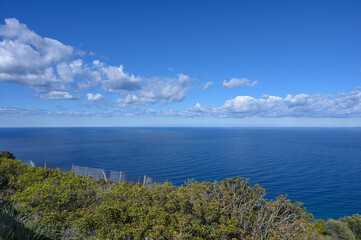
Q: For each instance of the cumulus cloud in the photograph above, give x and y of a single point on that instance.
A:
(57, 95)
(55, 72)
(208, 85)
(95, 97)
(31, 60)
(236, 82)
(156, 89)
(301, 105)
(115, 79)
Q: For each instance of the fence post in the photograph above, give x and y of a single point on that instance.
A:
(104, 176)
(120, 177)
(72, 167)
(45, 165)
(86, 172)
(32, 163)
(144, 181)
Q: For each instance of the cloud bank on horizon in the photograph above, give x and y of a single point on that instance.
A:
(55, 71)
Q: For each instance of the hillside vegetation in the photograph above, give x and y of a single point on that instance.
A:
(50, 204)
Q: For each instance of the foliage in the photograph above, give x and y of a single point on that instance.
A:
(85, 208)
(340, 230)
(57, 194)
(322, 226)
(346, 227)
(15, 225)
(6, 154)
(353, 223)
(225, 210)
(10, 170)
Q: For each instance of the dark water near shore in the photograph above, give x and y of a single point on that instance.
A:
(318, 166)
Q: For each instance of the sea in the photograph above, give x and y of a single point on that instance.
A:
(320, 167)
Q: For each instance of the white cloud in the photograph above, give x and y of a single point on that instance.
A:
(50, 68)
(19, 42)
(57, 95)
(301, 105)
(116, 79)
(158, 89)
(345, 105)
(31, 60)
(95, 97)
(236, 82)
(19, 111)
(207, 85)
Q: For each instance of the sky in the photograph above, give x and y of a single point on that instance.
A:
(180, 63)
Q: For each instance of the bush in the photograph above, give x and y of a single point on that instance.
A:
(322, 227)
(56, 195)
(340, 230)
(10, 170)
(228, 209)
(6, 154)
(81, 207)
(353, 223)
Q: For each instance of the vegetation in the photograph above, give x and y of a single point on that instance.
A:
(16, 225)
(346, 228)
(6, 154)
(61, 205)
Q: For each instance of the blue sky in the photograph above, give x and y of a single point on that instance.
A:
(180, 63)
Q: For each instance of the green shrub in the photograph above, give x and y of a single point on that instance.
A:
(354, 224)
(340, 230)
(55, 196)
(322, 226)
(30, 176)
(85, 208)
(10, 170)
(224, 210)
(6, 154)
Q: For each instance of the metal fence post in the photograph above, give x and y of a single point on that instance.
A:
(144, 181)
(120, 177)
(104, 176)
(72, 167)
(45, 165)
(86, 172)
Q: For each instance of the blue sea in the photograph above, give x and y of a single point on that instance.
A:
(320, 167)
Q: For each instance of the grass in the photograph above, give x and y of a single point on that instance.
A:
(16, 225)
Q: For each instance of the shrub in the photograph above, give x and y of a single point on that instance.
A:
(340, 230)
(322, 226)
(55, 196)
(224, 210)
(6, 154)
(354, 224)
(30, 176)
(10, 170)
(81, 207)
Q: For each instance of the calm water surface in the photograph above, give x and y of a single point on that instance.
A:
(318, 166)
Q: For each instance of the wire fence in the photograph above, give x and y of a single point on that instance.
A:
(97, 173)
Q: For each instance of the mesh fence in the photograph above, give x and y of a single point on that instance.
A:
(97, 173)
